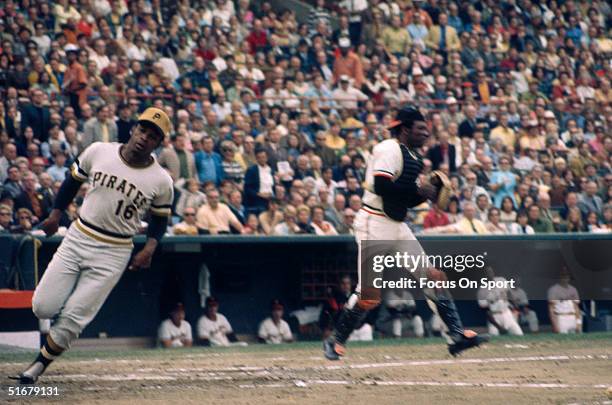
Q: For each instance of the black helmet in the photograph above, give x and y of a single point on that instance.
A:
(406, 116)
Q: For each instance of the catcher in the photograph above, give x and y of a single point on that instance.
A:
(393, 187)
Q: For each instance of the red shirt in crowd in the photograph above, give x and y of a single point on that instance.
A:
(435, 218)
(257, 40)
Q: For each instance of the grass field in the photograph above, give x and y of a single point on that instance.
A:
(534, 369)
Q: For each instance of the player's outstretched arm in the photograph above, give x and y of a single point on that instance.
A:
(68, 190)
(155, 231)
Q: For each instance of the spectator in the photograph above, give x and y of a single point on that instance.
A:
(190, 197)
(37, 116)
(124, 123)
(348, 63)
(274, 329)
(271, 217)
(231, 168)
(59, 169)
(289, 225)
(9, 154)
(589, 200)
(435, 217)
(494, 225)
(235, 205)
(259, 183)
(468, 225)
(6, 218)
(12, 185)
(303, 220)
(99, 129)
(537, 222)
(346, 227)
(208, 163)
(75, 83)
(179, 162)
(593, 225)
(346, 95)
(320, 225)
(574, 222)
(175, 331)
(443, 37)
(443, 153)
(214, 329)
(38, 203)
(396, 39)
(215, 217)
(188, 225)
(507, 213)
(25, 221)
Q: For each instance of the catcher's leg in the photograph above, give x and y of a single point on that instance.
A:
(367, 227)
(441, 302)
(351, 316)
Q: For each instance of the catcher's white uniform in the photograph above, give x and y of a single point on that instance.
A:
(98, 245)
(371, 222)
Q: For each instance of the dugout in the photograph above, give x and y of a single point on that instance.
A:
(246, 272)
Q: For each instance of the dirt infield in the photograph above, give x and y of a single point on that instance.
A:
(538, 369)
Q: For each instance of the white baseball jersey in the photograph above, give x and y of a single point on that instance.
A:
(119, 194)
(273, 333)
(169, 331)
(216, 331)
(563, 298)
(386, 160)
(494, 299)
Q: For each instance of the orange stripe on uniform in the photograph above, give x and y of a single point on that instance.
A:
(382, 174)
(372, 212)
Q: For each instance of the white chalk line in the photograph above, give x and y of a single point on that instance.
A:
(406, 363)
(307, 383)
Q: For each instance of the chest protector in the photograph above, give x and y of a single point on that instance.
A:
(396, 206)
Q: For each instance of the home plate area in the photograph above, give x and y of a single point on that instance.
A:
(536, 369)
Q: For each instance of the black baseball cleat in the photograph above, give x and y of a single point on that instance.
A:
(31, 374)
(467, 341)
(24, 378)
(332, 350)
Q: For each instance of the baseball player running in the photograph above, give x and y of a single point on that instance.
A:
(125, 182)
(392, 176)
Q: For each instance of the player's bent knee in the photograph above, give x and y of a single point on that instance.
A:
(41, 309)
(367, 305)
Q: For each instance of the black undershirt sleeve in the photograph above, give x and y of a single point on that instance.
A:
(384, 186)
(68, 190)
(157, 227)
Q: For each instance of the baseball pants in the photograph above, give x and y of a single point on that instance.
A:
(507, 321)
(370, 225)
(77, 281)
(374, 226)
(567, 323)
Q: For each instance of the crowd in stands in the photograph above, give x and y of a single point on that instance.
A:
(274, 119)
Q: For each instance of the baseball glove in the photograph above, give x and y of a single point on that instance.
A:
(439, 180)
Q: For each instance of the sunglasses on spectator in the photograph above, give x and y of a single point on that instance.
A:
(5, 213)
(188, 214)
